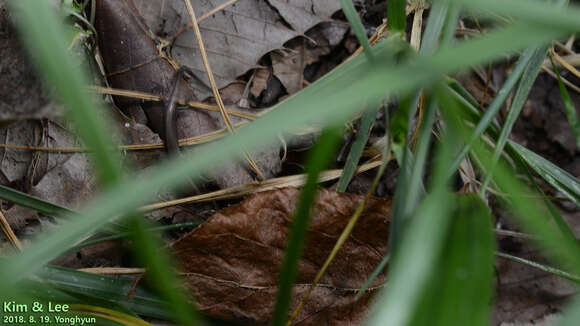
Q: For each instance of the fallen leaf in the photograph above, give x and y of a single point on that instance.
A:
(232, 261)
(133, 62)
(289, 65)
(22, 95)
(237, 36)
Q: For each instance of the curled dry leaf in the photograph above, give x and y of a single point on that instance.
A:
(232, 261)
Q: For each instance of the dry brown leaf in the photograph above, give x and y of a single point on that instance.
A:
(289, 66)
(237, 36)
(133, 62)
(232, 261)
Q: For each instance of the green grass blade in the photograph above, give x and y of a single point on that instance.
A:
(362, 136)
(319, 102)
(357, 26)
(486, 120)
(435, 23)
(410, 272)
(465, 270)
(396, 15)
(542, 267)
(114, 289)
(536, 13)
(569, 108)
(557, 177)
(410, 188)
(44, 38)
(528, 78)
(379, 269)
(39, 205)
(152, 252)
(43, 35)
(319, 158)
(530, 214)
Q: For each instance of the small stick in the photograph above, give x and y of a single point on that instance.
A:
(214, 88)
(9, 233)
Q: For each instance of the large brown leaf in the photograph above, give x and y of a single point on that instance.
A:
(133, 62)
(232, 261)
(236, 37)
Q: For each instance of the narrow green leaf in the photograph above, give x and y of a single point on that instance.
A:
(44, 38)
(486, 120)
(554, 175)
(362, 135)
(528, 78)
(379, 269)
(319, 102)
(150, 249)
(319, 158)
(460, 288)
(396, 16)
(559, 178)
(435, 23)
(357, 26)
(569, 108)
(542, 267)
(43, 35)
(39, 205)
(536, 13)
(410, 271)
(80, 286)
(531, 214)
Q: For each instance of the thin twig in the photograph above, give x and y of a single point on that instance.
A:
(204, 17)
(250, 188)
(564, 63)
(156, 98)
(9, 232)
(213, 85)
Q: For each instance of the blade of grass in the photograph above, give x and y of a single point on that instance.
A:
(542, 267)
(362, 135)
(527, 81)
(319, 158)
(39, 205)
(400, 132)
(142, 302)
(435, 23)
(529, 213)
(410, 272)
(465, 270)
(554, 175)
(92, 126)
(536, 13)
(379, 269)
(357, 26)
(486, 120)
(569, 108)
(319, 102)
(386, 157)
(396, 15)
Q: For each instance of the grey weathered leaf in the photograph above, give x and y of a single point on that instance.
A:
(235, 37)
